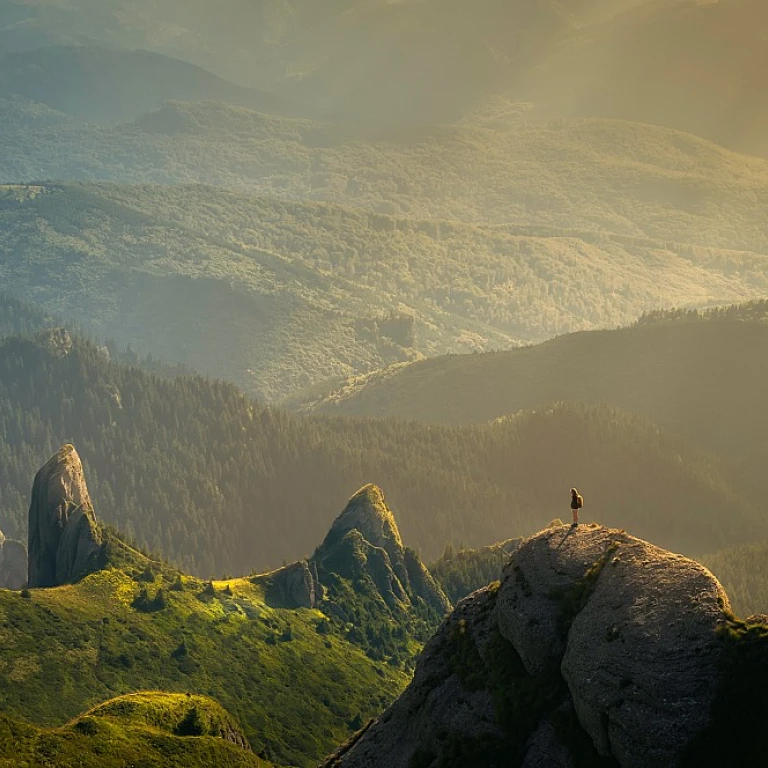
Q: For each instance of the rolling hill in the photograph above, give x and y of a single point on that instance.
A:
(687, 65)
(502, 167)
(293, 294)
(697, 375)
(151, 729)
(104, 85)
(130, 622)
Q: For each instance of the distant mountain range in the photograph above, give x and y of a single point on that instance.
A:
(688, 65)
(102, 85)
(344, 245)
(699, 375)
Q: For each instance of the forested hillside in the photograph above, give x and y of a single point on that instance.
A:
(102, 85)
(192, 468)
(697, 375)
(743, 571)
(279, 295)
(557, 176)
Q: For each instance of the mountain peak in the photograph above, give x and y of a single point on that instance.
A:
(64, 536)
(367, 512)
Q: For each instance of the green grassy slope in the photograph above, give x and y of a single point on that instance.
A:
(195, 470)
(278, 295)
(151, 729)
(295, 691)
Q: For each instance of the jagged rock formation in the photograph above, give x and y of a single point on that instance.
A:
(13, 563)
(64, 537)
(365, 541)
(56, 341)
(293, 586)
(596, 644)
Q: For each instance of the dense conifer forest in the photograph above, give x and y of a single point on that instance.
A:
(193, 468)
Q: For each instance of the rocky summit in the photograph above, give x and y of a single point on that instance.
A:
(64, 537)
(364, 543)
(596, 648)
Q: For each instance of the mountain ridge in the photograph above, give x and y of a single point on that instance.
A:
(227, 638)
(214, 467)
(430, 62)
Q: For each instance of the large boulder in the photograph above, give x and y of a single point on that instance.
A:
(641, 658)
(13, 563)
(64, 538)
(595, 643)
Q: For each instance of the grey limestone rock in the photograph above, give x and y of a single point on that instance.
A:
(413, 730)
(623, 636)
(13, 563)
(544, 748)
(535, 584)
(641, 657)
(64, 537)
(292, 586)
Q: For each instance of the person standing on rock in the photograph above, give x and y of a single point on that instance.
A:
(577, 502)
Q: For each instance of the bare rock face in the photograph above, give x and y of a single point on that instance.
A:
(368, 513)
(436, 703)
(593, 638)
(57, 341)
(537, 581)
(64, 538)
(292, 586)
(641, 691)
(13, 563)
(545, 748)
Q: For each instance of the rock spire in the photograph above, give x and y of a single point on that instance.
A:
(64, 537)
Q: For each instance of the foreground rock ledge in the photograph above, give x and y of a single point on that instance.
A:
(592, 637)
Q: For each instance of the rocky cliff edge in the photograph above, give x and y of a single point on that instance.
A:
(596, 648)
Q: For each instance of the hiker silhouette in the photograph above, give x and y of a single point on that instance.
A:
(577, 502)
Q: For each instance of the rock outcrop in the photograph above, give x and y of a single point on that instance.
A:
(13, 563)
(364, 541)
(293, 586)
(594, 642)
(64, 537)
(56, 341)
